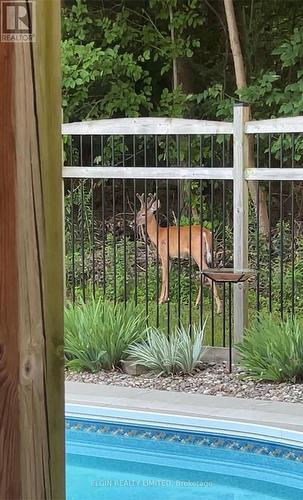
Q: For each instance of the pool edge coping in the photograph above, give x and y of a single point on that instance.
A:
(145, 407)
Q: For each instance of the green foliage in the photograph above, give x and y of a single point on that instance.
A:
(118, 60)
(98, 334)
(99, 78)
(281, 94)
(289, 272)
(78, 217)
(291, 50)
(272, 349)
(109, 57)
(181, 352)
(173, 103)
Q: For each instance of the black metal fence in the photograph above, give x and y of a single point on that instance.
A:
(276, 247)
(109, 256)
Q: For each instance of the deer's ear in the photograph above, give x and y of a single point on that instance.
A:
(155, 206)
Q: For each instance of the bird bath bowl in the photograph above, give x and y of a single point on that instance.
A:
(229, 275)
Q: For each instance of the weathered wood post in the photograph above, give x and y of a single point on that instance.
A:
(31, 274)
(240, 196)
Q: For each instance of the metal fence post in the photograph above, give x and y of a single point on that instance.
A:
(240, 197)
(63, 213)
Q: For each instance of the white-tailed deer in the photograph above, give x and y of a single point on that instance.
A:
(167, 241)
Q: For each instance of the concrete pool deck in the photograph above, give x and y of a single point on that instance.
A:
(247, 417)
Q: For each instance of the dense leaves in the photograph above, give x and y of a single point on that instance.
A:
(118, 59)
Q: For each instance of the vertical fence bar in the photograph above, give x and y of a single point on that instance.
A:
(157, 245)
(281, 233)
(258, 223)
(73, 240)
(103, 219)
(224, 247)
(82, 183)
(212, 160)
(124, 226)
(146, 234)
(72, 225)
(178, 221)
(230, 349)
(270, 224)
(63, 220)
(201, 144)
(240, 196)
(135, 226)
(292, 231)
(167, 215)
(190, 236)
(93, 219)
(114, 220)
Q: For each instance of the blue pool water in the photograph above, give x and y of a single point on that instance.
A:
(123, 462)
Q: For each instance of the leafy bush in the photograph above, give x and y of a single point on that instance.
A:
(181, 352)
(97, 334)
(273, 349)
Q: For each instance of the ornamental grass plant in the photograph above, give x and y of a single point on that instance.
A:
(98, 333)
(272, 349)
(180, 352)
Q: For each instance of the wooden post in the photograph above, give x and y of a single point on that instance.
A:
(31, 274)
(240, 189)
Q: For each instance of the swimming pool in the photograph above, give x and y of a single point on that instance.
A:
(113, 460)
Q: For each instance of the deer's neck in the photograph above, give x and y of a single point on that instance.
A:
(152, 229)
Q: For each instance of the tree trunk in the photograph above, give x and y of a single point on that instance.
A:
(235, 44)
(31, 274)
(172, 37)
(241, 82)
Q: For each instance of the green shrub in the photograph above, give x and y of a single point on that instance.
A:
(98, 334)
(181, 352)
(273, 349)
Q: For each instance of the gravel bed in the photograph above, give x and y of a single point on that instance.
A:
(212, 380)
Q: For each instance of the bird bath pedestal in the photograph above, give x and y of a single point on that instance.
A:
(229, 275)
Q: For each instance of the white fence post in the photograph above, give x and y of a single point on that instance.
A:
(240, 196)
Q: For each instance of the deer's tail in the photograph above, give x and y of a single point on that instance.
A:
(208, 247)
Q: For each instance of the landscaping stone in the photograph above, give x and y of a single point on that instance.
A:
(212, 380)
(131, 368)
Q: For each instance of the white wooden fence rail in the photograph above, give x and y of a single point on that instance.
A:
(179, 126)
(147, 126)
(239, 174)
(147, 173)
(224, 173)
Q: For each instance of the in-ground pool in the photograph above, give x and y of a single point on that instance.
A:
(115, 461)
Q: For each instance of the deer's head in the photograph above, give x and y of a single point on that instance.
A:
(147, 208)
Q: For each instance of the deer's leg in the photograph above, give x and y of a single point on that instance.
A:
(213, 286)
(164, 290)
(201, 265)
(198, 300)
(217, 299)
(199, 256)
